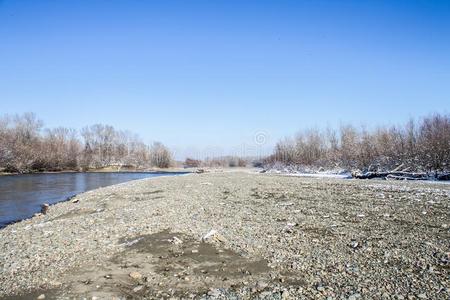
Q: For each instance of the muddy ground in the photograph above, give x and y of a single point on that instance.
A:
(270, 237)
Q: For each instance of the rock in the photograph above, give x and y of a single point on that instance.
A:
(214, 293)
(285, 295)
(138, 288)
(41, 297)
(175, 241)
(285, 204)
(320, 288)
(354, 296)
(261, 285)
(44, 208)
(135, 275)
(422, 296)
(213, 235)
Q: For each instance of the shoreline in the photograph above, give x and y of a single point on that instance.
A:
(285, 230)
(170, 170)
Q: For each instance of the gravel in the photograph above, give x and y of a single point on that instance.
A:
(268, 237)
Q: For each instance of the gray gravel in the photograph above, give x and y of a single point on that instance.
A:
(276, 237)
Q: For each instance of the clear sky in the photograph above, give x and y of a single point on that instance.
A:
(202, 74)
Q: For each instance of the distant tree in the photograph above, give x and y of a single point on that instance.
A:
(413, 146)
(22, 143)
(160, 156)
(192, 163)
(434, 142)
(61, 149)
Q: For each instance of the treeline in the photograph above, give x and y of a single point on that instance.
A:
(25, 146)
(415, 146)
(218, 162)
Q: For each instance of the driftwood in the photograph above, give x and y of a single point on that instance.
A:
(402, 175)
(395, 177)
(444, 176)
(392, 175)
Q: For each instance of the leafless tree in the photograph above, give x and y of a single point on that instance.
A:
(411, 147)
(160, 155)
(192, 163)
(434, 142)
(25, 147)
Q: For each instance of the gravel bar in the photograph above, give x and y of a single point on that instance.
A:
(235, 235)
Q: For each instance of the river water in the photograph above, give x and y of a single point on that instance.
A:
(21, 196)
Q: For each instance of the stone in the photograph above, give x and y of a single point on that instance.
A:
(41, 297)
(44, 208)
(135, 275)
(354, 244)
(261, 285)
(285, 295)
(213, 235)
(354, 296)
(175, 241)
(138, 288)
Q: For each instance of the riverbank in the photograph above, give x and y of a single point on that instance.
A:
(264, 236)
(22, 196)
(109, 170)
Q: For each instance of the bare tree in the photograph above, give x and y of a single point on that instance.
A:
(434, 142)
(23, 143)
(411, 147)
(160, 155)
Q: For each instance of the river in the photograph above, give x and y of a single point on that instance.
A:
(21, 196)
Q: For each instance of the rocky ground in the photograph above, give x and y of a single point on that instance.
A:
(233, 236)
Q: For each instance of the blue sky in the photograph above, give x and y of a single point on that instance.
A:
(206, 76)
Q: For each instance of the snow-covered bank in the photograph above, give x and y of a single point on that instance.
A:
(322, 175)
(319, 172)
(302, 171)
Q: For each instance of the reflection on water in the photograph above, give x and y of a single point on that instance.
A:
(22, 195)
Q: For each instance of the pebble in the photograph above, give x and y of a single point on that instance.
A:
(135, 275)
(314, 252)
(285, 295)
(138, 288)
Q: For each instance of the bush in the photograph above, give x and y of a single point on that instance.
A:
(192, 163)
(413, 147)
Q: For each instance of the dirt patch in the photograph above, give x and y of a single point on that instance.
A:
(168, 264)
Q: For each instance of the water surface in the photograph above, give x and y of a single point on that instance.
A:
(21, 196)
